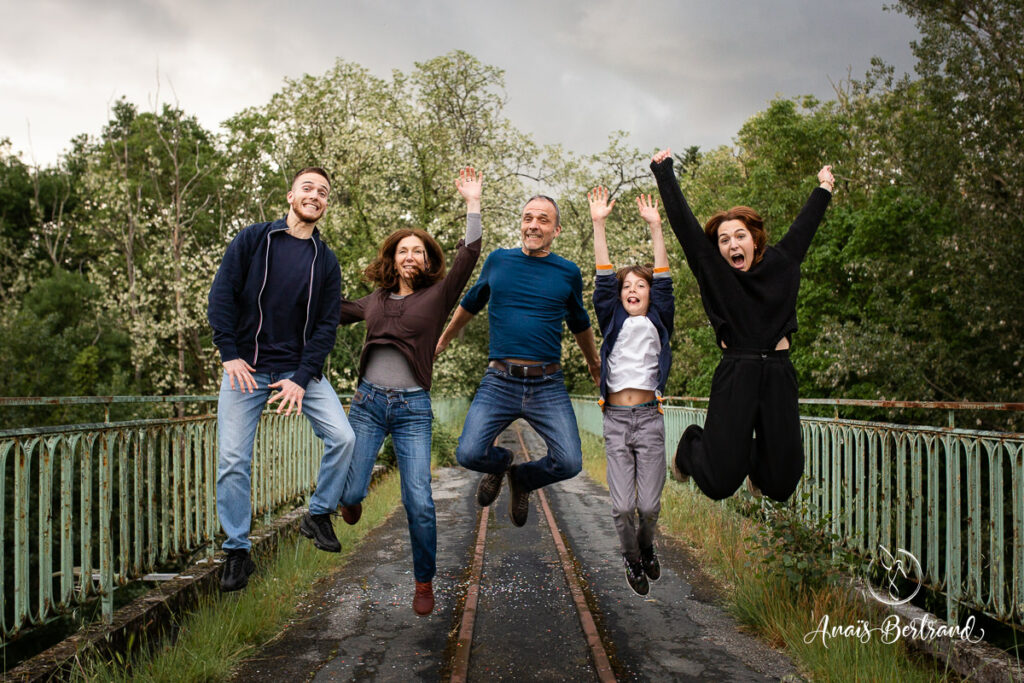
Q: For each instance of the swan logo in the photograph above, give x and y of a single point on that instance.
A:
(901, 564)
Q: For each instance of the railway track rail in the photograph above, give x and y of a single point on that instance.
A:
(544, 602)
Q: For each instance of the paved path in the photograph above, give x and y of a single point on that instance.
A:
(361, 624)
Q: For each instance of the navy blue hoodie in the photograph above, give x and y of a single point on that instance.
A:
(234, 309)
(611, 314)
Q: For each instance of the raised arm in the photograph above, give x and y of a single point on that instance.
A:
(648, 207)
(600, 208)
(798, 238)
(470, 186)
(684, 224)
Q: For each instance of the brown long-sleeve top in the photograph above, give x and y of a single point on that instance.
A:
(414, 323)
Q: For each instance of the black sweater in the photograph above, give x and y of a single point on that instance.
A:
(754, 309)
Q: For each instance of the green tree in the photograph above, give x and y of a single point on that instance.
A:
(153, 215)
(393, 149)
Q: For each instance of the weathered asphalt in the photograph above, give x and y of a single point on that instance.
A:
(360, 625)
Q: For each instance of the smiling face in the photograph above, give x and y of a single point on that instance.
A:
(410, 258)
(635, 294)
(308, 197)
(539, 227)
(736, 244)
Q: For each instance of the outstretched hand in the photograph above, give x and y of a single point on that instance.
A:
(662, 155)
(825, 178)
(290, 395)
(648, 207)
(470, 185)
(239, 371)
(600, 207)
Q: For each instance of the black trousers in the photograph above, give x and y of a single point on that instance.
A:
(751, 392)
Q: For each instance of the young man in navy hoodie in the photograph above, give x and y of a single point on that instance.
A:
(274, 312)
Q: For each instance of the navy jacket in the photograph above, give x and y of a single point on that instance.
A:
(611, 314)
(234, 309)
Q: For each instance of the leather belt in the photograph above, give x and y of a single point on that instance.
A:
(517, 370)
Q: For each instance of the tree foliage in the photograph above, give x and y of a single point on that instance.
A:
(910, 290)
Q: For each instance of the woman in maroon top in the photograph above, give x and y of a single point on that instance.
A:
(404, 317)
(749, 292)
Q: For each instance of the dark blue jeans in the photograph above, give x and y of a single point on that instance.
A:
(407, 417)
(544, 403)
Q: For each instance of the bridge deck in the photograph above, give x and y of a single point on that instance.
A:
(360, 624)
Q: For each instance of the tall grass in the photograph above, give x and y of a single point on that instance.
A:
(723, 541)
(225, 628)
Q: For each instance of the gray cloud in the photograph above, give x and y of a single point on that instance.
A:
(670, 73)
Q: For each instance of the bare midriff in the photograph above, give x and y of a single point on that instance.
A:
(520, 361)
(630, 397)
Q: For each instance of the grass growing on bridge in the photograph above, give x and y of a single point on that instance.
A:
(224, 629)
(724, 543)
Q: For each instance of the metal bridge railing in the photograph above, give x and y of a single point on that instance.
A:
(86, 508)
(90, 507)
(954, 498)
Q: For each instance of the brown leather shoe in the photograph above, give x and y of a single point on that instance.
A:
(423, 601)
(351, 513)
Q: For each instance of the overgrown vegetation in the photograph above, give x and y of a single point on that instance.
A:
(785, 545)
(750, 562)
(224, 629)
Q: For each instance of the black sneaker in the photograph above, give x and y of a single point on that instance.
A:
(237, 569)
(635, 577)
(649, 560)
(320, 529)
(518, 499)
(488, 488)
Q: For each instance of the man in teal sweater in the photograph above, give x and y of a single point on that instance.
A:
(530, 291)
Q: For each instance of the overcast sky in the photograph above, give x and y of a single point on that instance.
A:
(670, 72)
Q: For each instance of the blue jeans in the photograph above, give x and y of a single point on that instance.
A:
(544, 403)
(238, 415)
(407, 417)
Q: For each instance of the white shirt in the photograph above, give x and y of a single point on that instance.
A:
(633, 363)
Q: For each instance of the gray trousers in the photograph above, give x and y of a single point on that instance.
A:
(634, 441)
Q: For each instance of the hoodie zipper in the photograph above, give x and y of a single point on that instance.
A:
(309, 298)
(263, 285)
(259, 297)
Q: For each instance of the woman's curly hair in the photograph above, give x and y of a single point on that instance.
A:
(382, 272)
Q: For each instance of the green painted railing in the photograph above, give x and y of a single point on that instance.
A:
(90, 507)
(86, 508)
(954, 498)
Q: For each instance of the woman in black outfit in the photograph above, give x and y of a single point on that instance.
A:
(749, 292)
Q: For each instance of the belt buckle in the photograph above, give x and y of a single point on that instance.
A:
(517, 370)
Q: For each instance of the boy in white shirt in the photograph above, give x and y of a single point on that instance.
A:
(635, 309)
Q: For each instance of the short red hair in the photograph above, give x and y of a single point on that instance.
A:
(749, 218)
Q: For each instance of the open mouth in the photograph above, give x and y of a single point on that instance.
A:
(737, 260)
(634, 300)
